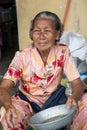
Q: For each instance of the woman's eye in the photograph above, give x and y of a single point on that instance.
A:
(36, 31)
(47, 31)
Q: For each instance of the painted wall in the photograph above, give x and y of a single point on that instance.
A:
(27, 9)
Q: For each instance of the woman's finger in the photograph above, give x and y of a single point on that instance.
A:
(10, 117)
(71, 102)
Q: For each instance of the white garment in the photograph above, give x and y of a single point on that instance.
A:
(78, 48)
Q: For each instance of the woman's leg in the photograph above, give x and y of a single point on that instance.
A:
(80, 121)
(24, 112)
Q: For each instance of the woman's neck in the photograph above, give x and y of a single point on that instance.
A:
(44, 55)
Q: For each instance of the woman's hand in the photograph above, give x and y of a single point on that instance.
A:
(71, 101)
(77, 92)
(11, 116)
(5, 100)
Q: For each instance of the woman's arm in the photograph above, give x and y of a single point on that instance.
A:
(77, 92)
(5, 100)
(5, 87)
(77, 89)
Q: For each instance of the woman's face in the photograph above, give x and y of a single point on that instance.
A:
(44, 34)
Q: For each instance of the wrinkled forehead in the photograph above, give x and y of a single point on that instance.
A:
(44, 21)
(44, 16)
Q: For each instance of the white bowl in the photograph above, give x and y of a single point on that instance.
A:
(52, 118)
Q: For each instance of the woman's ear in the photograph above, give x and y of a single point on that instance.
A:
(57, 35)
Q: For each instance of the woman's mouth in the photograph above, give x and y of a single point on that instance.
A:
(42, 43)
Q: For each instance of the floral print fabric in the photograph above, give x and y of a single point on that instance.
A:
(80, 121)
(37, 81)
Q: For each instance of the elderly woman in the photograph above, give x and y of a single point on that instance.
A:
(39, 69)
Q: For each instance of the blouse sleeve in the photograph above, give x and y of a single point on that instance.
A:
(70, 68)
(14, 71)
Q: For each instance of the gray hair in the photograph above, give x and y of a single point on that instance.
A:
(50, 15)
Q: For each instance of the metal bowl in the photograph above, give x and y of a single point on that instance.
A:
(52, 118)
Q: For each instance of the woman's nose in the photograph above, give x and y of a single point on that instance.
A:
(42, 35)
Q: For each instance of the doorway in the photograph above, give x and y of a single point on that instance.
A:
(9, 34)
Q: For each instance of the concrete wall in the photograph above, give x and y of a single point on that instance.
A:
(27, 9)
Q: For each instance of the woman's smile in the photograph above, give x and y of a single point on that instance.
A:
(42, 44)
